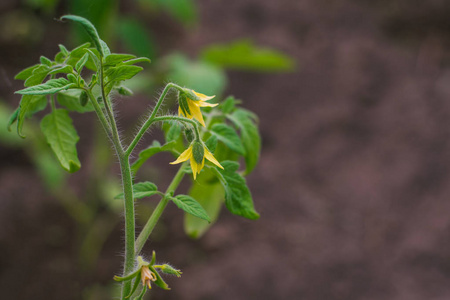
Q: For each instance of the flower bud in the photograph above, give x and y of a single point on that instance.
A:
(125, 91)
(182, 101)
(189, 134)
(168, 269)
(198, 151)
(83, 98)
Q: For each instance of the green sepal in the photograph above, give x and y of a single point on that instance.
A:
(198, 152)
(90, 29)
(49, 87)
(153, 261)
(142, 294)
(142, 190)
(24, 74)
(191, 206)
(129, 276)
(238, 198)
(182, 101)
(159, 281)
(62, 138)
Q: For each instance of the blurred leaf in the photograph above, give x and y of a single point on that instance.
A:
(121, 73)
(24, 74)
(238, 198)
(244, 55)
(115, 58)
(142, 190)
(210, 195)
(182, 10)
(191, 206)
(197, 75)
(145, 154)
(62, 138)
(135, 37)
(29, 104)
(250, 137)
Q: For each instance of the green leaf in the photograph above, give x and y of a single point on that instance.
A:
(71, 100)
(229, 137)
(191, 206)
(13, 119)
(63, 50)
(142, 190)
(29, 104)
(121, 73)
(50, 87)
(211, 143)
(238, 198)
(244, 55)
(90, 30)
(228, 105)
(210, 195)
(250, 137)
(24, 74)
(38, 75)
(80, 64)
(65, 69)
(62, 138)
(173, 133)
(45, 61)
(136, 61)
(145, 154)
(115, 58)
(105, 48)
(181, 10)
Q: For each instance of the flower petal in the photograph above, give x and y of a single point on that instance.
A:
(183, 156)
(205, 104)
(194, 167)
(203, 97)
(195, 111)
(212, 159)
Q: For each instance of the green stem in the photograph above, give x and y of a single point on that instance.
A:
(100, 114)
(151, 223)
(150, 120)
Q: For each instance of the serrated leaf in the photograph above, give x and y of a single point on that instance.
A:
(64, 69)
(244, 55)
(250, 137)
(210, 195)
(71, 100)
(121, 73)
(229, 137)
(116, 58)
(90, 29)
(38, 76)
(142, 190)
(50, 87)
(238, 198)
(29, 104)
(24, 74)
(145, 154)
(62, 138)
(80, 64)
(191, 206)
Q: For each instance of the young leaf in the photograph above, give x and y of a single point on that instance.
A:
(250, 137)
(136, 61)
(105, 48)
(238, 198)
(145, 154)
(228, 136)
(80, 64)
(66, 69)
(173, 133)
(50, 87)
(210, 195)
(211, 143)
(62, 138)
(24, 74)
(38, 75)
(121, 73)
(46, 61)
(90, 29)
(13, 118)
(71, 100)
(142, 190)
(114, 59)
(191, 206)
(29, 104)
(63, 50)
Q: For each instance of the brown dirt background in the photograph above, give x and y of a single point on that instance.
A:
(353, 184)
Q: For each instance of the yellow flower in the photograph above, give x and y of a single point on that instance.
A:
(190, 108)
(147, 276)
(197, 153)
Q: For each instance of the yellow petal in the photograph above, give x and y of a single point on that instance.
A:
(212, 159)
(203, 96)
(183, 156)
(195, 112)
(205, 104)
(194, 167)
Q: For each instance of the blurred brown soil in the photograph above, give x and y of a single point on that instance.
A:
(353, 184)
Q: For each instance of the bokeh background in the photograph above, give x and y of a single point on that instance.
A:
(353, 183)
